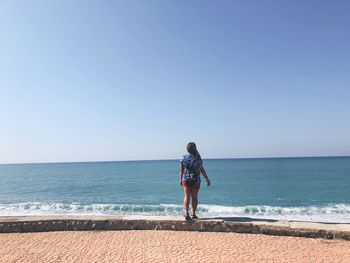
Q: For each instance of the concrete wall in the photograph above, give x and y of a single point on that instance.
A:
(175, 225)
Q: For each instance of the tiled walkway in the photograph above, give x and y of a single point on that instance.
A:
(167, 246)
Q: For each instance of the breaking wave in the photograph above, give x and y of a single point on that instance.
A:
(329, 213)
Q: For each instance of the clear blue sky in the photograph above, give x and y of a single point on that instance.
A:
(120, 80)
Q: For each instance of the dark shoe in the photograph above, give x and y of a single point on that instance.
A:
(194, 217)
(187, 217)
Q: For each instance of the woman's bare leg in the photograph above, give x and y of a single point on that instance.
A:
(194, 195)
(187, 192)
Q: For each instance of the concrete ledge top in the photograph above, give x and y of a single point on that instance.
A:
(10, 224)
(283, 223)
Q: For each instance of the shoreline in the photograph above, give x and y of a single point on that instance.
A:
(22, 224)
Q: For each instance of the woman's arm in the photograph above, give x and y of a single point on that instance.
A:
(201, 168)
(181, 172)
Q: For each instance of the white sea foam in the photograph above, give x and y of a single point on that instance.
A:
(330, 213)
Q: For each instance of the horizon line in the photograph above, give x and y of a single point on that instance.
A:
(173, 159)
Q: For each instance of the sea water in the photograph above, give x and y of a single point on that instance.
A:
(312, 189)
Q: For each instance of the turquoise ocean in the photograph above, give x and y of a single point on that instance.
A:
(312, 189)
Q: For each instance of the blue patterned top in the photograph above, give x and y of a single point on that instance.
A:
(191, 164)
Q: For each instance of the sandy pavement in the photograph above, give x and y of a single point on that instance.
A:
(167, 246)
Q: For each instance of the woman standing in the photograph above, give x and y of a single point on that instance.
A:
(190, 169)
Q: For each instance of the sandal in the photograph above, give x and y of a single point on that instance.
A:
(194, 217)
(187, 217)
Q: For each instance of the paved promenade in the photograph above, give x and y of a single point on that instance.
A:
(167, 246)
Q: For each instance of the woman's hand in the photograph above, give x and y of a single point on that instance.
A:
(181, 183)
(201, 167)
(208, 182)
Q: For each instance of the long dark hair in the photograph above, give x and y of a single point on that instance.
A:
(192, 149)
